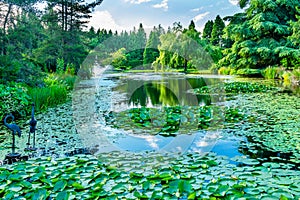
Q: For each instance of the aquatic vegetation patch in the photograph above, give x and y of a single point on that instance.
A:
(275, 126)
(170, 121)
(235, 87)
(147, 176)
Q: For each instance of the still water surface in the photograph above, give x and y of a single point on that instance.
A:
(158, 90)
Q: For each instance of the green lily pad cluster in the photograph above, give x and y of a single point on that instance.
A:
(234, 87)
(275, 127)
(171, 120)
(120, 175)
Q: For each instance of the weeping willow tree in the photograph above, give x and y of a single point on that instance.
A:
(183, 49)
(260, 35)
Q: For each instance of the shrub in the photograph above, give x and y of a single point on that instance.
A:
(291, 76)
(9, 69)
(272, 72)
(64, 80)
(224, 71)
(249, 72)
(14, 99)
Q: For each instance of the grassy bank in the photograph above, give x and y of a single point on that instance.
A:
(288, 76)
(17, 98)
(189, 71)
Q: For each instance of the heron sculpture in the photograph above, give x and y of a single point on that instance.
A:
(32, 129)
(15, 129)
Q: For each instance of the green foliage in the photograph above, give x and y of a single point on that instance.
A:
(217, 31)
(272, 72)
(151, 49)
(48, 96)
(60, 65)
(9, 69)
(118, 175)
(20, 71)
(117, 59)
(14, 99)
(260, 36)
(64, 80)
(291, 77)
(224, 71)
(170, 121)
(55, 92)
(249, 72)
(208, 27)
(235, 87)
(185, 50)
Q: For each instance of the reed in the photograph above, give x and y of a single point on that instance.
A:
(48, 96)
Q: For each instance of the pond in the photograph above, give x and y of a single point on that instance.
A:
(120, 92)
(142, 112)
(168, 136)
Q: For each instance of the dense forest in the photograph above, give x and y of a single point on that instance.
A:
(261, 41)
(46, 48)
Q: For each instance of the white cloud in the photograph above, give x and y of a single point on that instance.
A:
(234, 2)
(200, 16)
(137, 1)
(163, 5)
(197, 9)
(103, 19)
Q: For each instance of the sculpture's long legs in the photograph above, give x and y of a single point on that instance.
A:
(34, 139)
(28, 143)
(13, 143)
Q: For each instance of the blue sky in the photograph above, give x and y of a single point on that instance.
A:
(125, 14)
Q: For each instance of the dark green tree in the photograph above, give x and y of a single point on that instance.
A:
(260, 36)
(64, 37)
(151, 50)
(208, 27)
(217, 31)
(10, 11)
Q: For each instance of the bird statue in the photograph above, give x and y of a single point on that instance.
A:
(14, 128)
(32, 129)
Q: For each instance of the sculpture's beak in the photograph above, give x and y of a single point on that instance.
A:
(19, 133)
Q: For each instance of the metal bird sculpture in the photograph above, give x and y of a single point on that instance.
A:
(14, 128)
(32, 129)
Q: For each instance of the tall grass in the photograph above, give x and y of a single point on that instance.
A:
(57, 87)
(68, 80)
(48, 96)
(291, 76)
(270, 73)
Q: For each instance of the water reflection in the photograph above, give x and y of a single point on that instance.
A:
(120, 92)
(167, 91)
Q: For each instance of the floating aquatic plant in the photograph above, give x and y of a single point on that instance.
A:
(234, 87)
(147, 176)
(168, 121)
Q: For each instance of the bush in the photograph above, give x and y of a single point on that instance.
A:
(249, 72)
(64, 80)
(20, 71)
(14, 99)
(224, 71)
(9, 69)
(291, 76)
(272, 72)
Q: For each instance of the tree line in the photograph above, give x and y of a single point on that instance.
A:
(265, 35)
(33, 40)
(174, 48)
(263, 40)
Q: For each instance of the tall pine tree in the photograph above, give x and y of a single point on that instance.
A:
(217, 31)
(208, 27)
